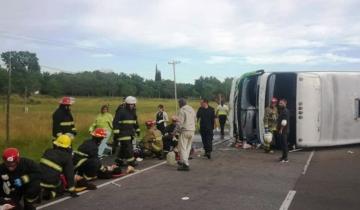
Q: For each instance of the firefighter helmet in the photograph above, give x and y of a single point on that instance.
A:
(130, 100)
(63, 141)
(99, 132)
(274, 100)
(11, 155)
(66, 100)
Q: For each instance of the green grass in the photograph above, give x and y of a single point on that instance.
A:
(31, 132)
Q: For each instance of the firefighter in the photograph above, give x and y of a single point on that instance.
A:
(170, 137)
(161, 119)
(270, 123)
(20, 178)
(57, 169)
(87, 163)
(125, 127)
(153, 145)
(63, 121)
(221, 112)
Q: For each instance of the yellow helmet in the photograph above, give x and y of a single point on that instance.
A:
(63, 141)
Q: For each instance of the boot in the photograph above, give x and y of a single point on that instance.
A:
(29, 206)
(183, 167)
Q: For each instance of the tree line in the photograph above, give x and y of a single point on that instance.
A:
(27, 78)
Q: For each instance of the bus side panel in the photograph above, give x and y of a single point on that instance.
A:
(308, 107)
(341, 126)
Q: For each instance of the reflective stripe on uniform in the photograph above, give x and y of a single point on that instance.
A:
(49, 185)
(117, 131)
(67, 123)
(81, 153)
(80, 163)
(124, 138)
(25, 178)
(138, 130)
(130, 159)
(32, 200)
(51, 164)
(89, 177)
(127, 122)
(71, 189)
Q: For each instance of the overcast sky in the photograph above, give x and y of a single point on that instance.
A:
(221, 38)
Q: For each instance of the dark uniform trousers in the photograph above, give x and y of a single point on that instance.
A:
(207, 138)
(284, 145)
(222, 121)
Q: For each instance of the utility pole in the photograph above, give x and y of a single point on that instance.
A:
(7, 140)
(173, 63)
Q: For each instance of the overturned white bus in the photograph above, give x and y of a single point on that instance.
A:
(324, 106)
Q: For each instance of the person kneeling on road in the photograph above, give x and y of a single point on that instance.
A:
(57, 169)
(170, 138)
(152, 142)
(87, 163)
(20, 177)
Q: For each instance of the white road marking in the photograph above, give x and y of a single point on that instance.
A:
(286, 203)
(308, 162)
(102, 185)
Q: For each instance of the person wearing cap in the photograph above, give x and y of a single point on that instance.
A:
(161, 119)
(270, 123)
(170, 138)
(152, 140)
(56, 163)
(222, 112)
(20, 178)
(125, 127)
(186, 129)
(103, 120)
(63, 121)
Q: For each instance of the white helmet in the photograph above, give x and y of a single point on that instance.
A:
(268, 137)
(130, 100)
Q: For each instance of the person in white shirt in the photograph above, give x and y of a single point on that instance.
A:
(161, 119)
(187, 122)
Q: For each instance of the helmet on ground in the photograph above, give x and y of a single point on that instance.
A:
(66, 100)
(11, 155)
(130, 100)
(63, 141)
(99, 132)
(274, 100)
(150, 123)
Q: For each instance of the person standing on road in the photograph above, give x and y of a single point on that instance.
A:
(125, 126)
(206, 116)
(63, 121)
(270, 123)
(161, 119)
(283, 129)
(187, 122)
(103, 120)
(221, 112)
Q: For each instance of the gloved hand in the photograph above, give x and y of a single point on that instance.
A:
(18, 183)
(74, 194)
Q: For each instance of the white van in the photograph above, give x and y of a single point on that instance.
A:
(324, 106)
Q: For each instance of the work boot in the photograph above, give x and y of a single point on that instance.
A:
(183, 167)
(208, 155)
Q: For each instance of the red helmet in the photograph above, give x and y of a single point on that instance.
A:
(150, 123)
(274, 100)
(66, 100)
(11, 155)
(99, 132)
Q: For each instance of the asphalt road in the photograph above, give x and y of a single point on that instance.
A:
(233, 179)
